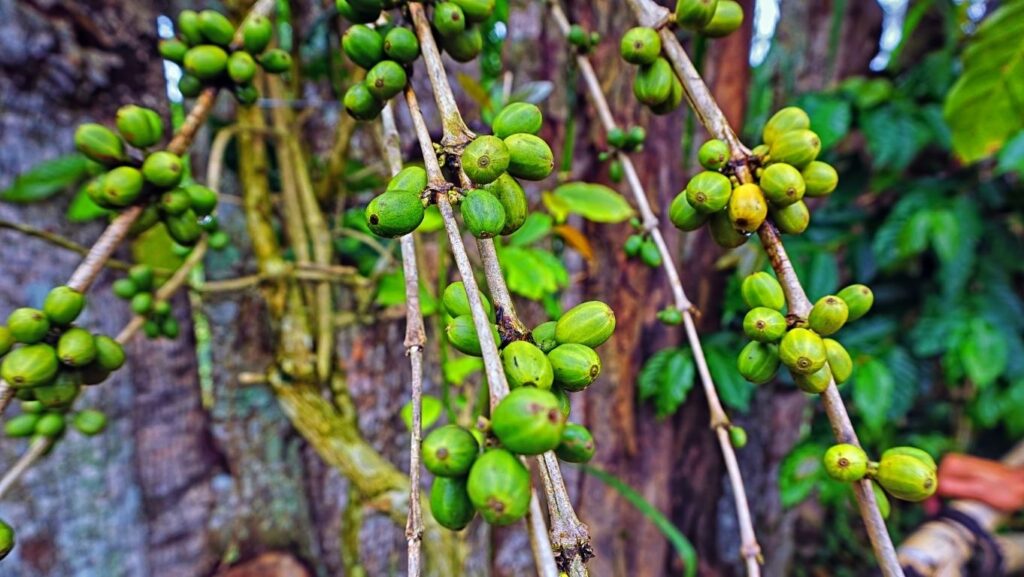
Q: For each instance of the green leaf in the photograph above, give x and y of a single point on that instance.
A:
(83, 209)
(1011, 157)
(430, 412)
(799, 473)
(46, 179)
(893, 135)
(536, 227)
(531, 273)
(873, 393)
(458, 369)
(983, 353)
(734, 390)
(666, 378)
(391, 292)
(682, 545)
(986, 105)
(822, 275)
(594, 202)
(944, 231)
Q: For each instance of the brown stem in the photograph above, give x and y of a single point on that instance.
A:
(711, 116)
(415, 339)
(35, 451)
(60, 241)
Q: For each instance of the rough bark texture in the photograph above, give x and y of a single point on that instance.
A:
(191, 482)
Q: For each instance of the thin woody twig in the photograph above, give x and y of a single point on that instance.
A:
(711, 116)
(60, 241)
(415, 339)
(35, 451)
(750, 549)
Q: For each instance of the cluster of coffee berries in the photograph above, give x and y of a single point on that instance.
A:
(583, 40)
(155, 181)
(54, 358)
(656, 84)
(531, 420)
(399, 209)
(456, 25)
(137, 288)
(643, 247)
(711, 18)
(204, 48)
(801, 345)
(787, 172)
(906, 473)
(387, 53)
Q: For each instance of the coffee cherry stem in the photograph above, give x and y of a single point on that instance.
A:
(751, 550)
(711, 116)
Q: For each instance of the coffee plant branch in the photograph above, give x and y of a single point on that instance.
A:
(749, 548)
(713, 119)
(570, 537)
(59, 241)
(415, 339)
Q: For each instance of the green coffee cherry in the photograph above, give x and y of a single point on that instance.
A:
(577, 444)
(764, 324)
(401, 45)
(241, 67)
(122, 186)
(821, 178)
(670, 316)
(499, 487)
(63, 304)
(802, 351)
(50, 425)
(456, 301)
(188, 27)
(839, 361)
(544, 336)
(357, 12)
(363, 45)
(190, 86)
(140, 127)
(485, 159)
(816, 382)
(762, 290)
(513, 199)
(163, 169)
(517, 118)
(747, 208)
(615, 171)
(483, 214)
(202, 200)
(394, 214)
(575, 366)
(170, 328)
(695, 14)
(858, 299)
(640, 45)
(617, 137)
(708, 192)
(275, 61)
(590, 323)
(907, 477)
(526, 366)
(563, 401)
(109, 353)
(449, 451)
(528, 421)
(99, 143)
(882, 500)
(142, 303)
(411, 179)
(61, 392)
(172, 49)
(914, 452)
(360, 103)
(713, 154)
(21, 426)
(828, 315)
(792, 219)
(386, 79)
(462, 335)
(737, 437)
(449, 21)
(245, 94)
(28, 325)
(728, 17)
(206, 62)
(94, 374)
(530, 158)
(789, 119)
(633, 245)
(6, 539)
(782, 184)
(476, 10)
(798, 148)
(466, 46)
(675, 98)
(183, 228)
(76, 347)
(257, 31)
(216, 28)
(90, 422)
(653, 82)
(723, 232)
(450, 503)
(142, 275)
(846, 463)
(6, 340)
(683, 215)
(151, 329)
(30, 366)
(367, 6)
(758, 362)
(579, 37)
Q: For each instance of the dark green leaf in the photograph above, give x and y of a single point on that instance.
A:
(893, 137)
(1011, 157)
(536, 227)
(46, 179)
(430, 412)
(830, 117)
(873, 393)
(83, 209)
(666, 378)
(983, 353)
(734, 390)
(799, 473)
(457, 370)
